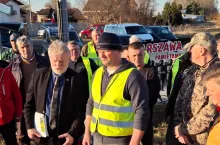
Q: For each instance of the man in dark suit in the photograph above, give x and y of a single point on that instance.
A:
(57, 93)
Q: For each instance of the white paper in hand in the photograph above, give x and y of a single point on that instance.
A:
(40, 124)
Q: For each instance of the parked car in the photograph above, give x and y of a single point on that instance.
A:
(47, 29)
(124, 39)
(168, 28)
(86, 33)
(12, 27)
(73, 36)
(161, 32)
(129, 29)
(156, 38)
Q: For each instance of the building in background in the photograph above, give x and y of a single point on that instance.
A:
(25, 14)
(74, 15)
(10, 11)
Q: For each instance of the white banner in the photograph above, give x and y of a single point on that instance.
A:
(164, 50)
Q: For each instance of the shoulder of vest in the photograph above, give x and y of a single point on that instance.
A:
(91, 42)
(100, 68)
(85, 58)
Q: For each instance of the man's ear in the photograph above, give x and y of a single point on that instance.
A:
(203, 51)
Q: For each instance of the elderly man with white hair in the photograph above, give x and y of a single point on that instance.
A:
(22, 66)
(133, 39)
(56, 93)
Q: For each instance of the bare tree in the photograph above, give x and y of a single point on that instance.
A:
(53, 4)
(145, 11)
(80, 4)
(104, 11)
(117, 11)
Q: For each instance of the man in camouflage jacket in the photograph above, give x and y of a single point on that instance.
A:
(194, 110)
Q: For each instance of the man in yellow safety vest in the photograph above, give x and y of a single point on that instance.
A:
(83, 65)
(89, 50)
(117, 110)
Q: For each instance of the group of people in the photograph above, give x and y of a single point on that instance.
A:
(77, 92)
(106, 92)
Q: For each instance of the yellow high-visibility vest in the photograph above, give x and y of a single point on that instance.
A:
(112, 114)
(92, 54)
(146, 57)
(89, 71)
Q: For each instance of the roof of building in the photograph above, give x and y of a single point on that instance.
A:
(23, 11)
(16, 1)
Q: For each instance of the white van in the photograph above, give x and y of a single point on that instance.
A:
(129, 29)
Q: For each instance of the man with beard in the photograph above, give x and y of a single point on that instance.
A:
(58, 94)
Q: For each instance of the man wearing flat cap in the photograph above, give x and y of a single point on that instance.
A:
(8, 54)
(193, 109)
(117, 110)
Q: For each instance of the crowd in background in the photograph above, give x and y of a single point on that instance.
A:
(107, 92)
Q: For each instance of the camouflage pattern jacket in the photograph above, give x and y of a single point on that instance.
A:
(7, 55)
(194, 110)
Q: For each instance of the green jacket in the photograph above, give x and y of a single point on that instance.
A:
(7, 55)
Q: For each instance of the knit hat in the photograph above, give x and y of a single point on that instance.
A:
(109, 41)
(203, 39)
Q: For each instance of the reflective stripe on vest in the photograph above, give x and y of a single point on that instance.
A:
(92, 54)
(113, 123)
(146, 57)
(112, 114)
(113, 108)
(89, 71)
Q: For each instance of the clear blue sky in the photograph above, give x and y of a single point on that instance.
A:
(36, 5)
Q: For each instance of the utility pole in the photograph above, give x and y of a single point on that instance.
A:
(30, 33)
(62, 20)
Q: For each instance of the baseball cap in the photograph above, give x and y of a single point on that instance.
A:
(203, 39)
(13, 37)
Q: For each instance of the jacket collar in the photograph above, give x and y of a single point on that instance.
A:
(18, 59)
